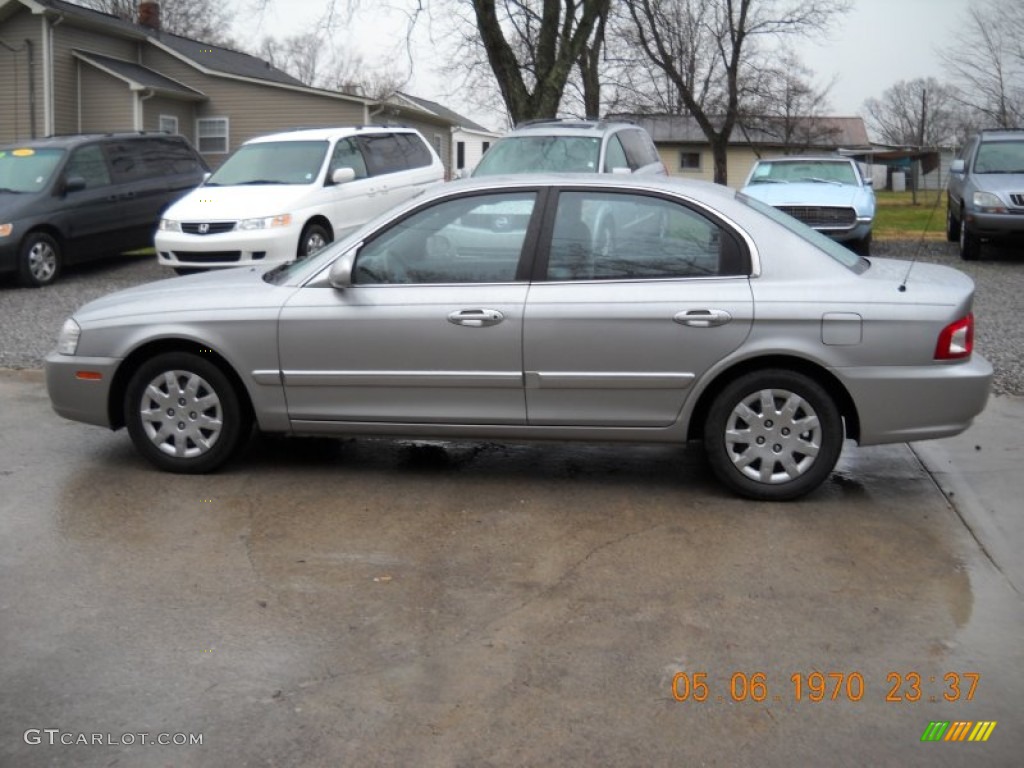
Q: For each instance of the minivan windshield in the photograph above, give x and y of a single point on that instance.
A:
(272, 162)
(530, 154)
(27, 170)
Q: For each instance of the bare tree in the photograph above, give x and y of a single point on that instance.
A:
(987, 62)
(206, 20)
(710, 51)
(919, 112)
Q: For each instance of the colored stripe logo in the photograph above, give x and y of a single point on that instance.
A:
(958, 730)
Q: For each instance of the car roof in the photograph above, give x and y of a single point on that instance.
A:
(806, 159)
(613, 182)
(569, 127)
(1002, 134)
(326, 134)
(73, 140)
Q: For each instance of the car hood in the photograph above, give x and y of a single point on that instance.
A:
(209, 292)
(243, 201)
(804, 193)
(1000, 182)
(12, 204)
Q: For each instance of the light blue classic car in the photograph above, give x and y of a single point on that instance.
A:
(827, 193)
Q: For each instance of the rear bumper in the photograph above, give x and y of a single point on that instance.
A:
(897, 405)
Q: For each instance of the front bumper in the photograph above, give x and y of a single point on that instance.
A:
(77, 398)
(229, 249)
(996, 225)
(901, 404)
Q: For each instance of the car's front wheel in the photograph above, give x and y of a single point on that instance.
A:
(39, 260)
(952, 225)
(970, 244)
(314, 238)
(773, 435)
(184, 414)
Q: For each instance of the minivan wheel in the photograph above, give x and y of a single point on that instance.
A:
(314, 238)
(773, 435)
(39, 260)
(183, 413)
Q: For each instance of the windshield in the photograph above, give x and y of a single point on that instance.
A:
(27, 170)
(272, 162)
(1000, 157)
(785, 171)
(840, 253)
(530, 154)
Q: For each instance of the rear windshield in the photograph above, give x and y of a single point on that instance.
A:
(840, 253)
(27, 170)
(529, 154)
(272, 162)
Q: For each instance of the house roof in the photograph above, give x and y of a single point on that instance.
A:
(443, 112)
(139, 77)
(684, 129)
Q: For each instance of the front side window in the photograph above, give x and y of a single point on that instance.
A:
(689, 161)
(88, 163)
(272, 162)
(614, 155)
(212, 135)
(347, 155)
(476, 239)
(617, 236)
(27, 170)
(532, 154)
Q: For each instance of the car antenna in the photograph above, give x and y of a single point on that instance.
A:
(920, 241)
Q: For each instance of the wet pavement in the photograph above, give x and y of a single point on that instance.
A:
(326, 603)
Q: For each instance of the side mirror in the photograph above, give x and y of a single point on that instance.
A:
(206, 176)
(343, 175)
(340, 276)
(73, 184)
(622, 171)
(957, 166)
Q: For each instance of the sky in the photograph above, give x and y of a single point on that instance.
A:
(876, 45)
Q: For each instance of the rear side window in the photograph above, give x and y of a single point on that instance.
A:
(415, 150)
(127, 160)
(177, 156)
(384, 153)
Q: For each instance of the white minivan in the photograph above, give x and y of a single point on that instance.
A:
(285, 196)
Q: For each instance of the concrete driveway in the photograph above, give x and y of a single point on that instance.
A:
(371, 603)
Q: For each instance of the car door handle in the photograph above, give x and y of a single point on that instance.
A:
(476, 318)
(703, 318)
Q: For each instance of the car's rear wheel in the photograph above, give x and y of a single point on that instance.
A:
(39, 260)
(314, 238)
(773, 435)
(970, 244)
(183, 413)
(952, 225)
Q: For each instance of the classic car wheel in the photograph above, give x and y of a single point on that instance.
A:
(39, 260)
(183, 413)
(863, 246)
(970, 245)
(314, 237)
(773, 435)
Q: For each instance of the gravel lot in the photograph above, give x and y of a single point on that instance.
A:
(30, 319)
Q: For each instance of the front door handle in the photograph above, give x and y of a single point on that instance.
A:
(476, 318)
(703, 318)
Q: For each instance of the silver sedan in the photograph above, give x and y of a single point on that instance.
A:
(544, 308)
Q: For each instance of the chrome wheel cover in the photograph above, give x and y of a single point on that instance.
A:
(42, 262)
(314, 242)
(181, 414)
(773, 436)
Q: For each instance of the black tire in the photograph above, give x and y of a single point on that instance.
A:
(863, 246)
(187, 270)
(970, 244)
(952, 224)
(183, 413)
(763, 455)
(314, 237)
(39, 260)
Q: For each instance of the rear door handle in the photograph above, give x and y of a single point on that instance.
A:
(703, 318)
(475, 318)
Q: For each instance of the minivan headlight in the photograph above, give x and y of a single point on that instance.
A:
(170, 225)
(267, 222)
(70, 332)
(6, 229)
(986, 202)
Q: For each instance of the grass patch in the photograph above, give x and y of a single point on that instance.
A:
(897, 218)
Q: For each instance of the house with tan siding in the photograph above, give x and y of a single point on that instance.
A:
(68, 69)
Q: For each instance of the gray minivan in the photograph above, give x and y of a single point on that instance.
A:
(66, 199)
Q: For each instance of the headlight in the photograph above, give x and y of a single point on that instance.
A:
(6, 229)
(986, 202)
(268, 222)
(169, 225)
(67, 342)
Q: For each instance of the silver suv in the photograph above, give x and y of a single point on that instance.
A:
(985, 195)
(573, 146)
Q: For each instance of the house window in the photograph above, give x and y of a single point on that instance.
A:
(689, 161)
(212, 135)
(460, 155)
(484, 146)
(168, 124)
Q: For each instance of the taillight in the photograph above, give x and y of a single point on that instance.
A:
(956, 339)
